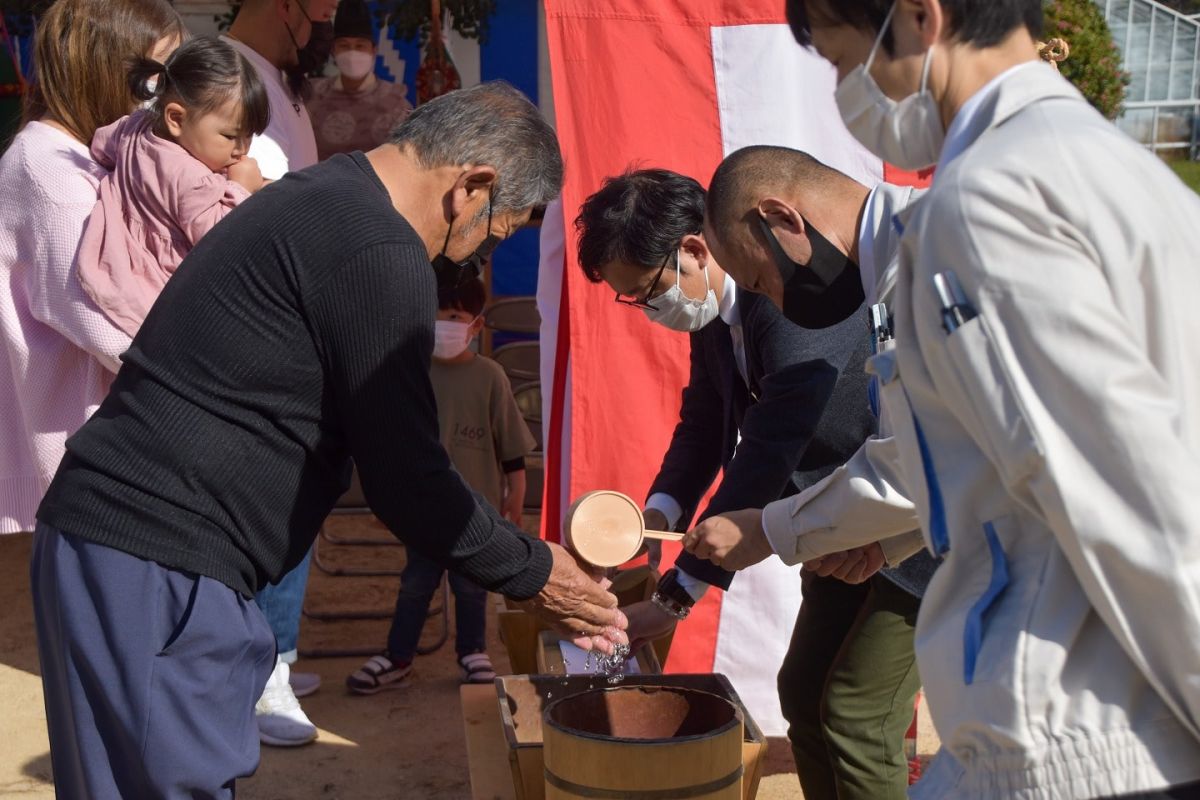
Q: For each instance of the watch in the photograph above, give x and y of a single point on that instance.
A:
(671, 596)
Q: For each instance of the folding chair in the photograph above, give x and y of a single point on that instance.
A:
(513, 315)
(529, 400)
(354, 502)
(521, 361)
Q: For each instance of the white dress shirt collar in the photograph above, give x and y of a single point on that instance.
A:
(728, 309)
(959, 135)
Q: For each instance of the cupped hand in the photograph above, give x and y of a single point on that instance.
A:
(647, 622)
(577, 603)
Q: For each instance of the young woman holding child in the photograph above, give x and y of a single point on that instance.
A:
(58, 351)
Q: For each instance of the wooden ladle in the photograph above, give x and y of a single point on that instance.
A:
(606, 529)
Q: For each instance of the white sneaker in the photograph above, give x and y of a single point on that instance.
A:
(281, 721)
(304, 683)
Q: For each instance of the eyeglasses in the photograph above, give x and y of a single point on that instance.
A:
(645, 303)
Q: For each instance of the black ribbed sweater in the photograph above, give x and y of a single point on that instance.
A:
(295, 336)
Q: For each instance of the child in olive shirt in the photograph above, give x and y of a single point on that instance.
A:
(486, 438)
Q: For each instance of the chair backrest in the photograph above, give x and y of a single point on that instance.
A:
(521, 361)
(514, 315)
(529, 400)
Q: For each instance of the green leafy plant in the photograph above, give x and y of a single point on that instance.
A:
(1094, 65)
(410, 19)
(225, 20)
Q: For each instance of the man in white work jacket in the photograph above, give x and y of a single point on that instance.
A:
(1044, 396)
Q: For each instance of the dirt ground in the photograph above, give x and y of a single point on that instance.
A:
(406, 744)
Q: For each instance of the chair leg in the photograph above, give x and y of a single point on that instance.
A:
(347, 571)
(441, 610)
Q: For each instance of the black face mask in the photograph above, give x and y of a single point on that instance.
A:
(823, 292)
(311, 58)
(451, 273)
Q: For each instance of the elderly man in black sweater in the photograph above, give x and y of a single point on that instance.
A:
(294, 337)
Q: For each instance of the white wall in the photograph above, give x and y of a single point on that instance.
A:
(199, 14)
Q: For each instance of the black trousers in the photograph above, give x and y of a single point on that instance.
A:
(150, 675)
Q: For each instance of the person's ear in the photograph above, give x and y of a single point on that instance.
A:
(694, 245)
(473, 185)
(477, 325)
(174, 116)
(781, 216)
(924, 18)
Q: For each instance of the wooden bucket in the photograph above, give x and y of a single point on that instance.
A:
(643, 743)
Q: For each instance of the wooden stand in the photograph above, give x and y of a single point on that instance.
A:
(487, 753)
(550, 658)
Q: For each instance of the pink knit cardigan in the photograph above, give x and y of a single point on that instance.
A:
(58, 352)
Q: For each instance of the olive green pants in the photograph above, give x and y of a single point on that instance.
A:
(847, 688)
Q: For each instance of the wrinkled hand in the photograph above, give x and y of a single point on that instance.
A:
(577, 604)
(733, 541)
(655, 521)
(246, 172)
(852, 566)
(647, 622)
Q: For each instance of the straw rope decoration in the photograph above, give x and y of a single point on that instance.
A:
(1054, 51)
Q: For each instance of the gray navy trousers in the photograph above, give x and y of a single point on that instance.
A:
(150, 674)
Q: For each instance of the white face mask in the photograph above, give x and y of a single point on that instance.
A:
(907, 134)
(354, 64)
(678, 312)
(451, 338)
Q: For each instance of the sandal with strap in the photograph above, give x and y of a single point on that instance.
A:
(477, 668)
(377, 674)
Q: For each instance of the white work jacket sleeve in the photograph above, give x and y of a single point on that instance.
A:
(861, 502)
(1055, 384)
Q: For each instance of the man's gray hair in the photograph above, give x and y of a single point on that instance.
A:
(490, 124)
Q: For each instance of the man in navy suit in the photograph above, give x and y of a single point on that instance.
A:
(775, 405)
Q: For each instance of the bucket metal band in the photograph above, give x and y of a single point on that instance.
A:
(679, 793)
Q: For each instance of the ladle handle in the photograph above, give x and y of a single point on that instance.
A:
(667, 536)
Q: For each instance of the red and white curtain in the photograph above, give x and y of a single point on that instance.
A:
(676, 84)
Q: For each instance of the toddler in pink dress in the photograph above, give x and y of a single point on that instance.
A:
(176, 169)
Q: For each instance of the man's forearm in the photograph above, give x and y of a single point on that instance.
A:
(859, 503)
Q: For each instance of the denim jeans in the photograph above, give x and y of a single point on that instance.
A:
(282, 603)
(418, 583)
